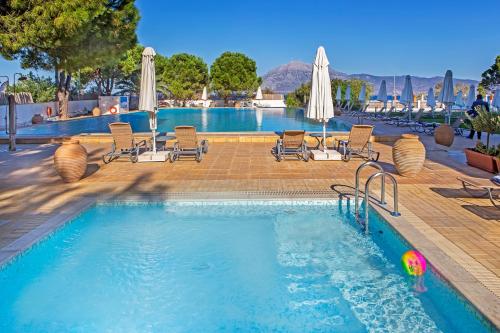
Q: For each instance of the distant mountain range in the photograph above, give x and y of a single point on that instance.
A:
(286, 78)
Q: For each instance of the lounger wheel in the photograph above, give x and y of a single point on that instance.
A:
(134, 157)
(375, 159)
(199, 155)
(173, 157)
(205, 147)
(105, 159)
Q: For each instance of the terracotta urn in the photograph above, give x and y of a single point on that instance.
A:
(408, 154)
(444, 135)
(36, 119)
(96, 112)
(70, 161)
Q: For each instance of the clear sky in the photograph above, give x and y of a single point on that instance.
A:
(385, 37)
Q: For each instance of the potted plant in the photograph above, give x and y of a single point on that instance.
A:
(483, 156)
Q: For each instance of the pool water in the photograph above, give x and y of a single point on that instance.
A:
(205, 120)
(223, 267)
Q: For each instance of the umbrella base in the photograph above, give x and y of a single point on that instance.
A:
(327, 155)
(149, 156)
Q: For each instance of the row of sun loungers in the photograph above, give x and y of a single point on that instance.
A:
(393, 117)
(125, 144)
(187, 144)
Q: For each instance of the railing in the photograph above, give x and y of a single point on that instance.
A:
(382, 202)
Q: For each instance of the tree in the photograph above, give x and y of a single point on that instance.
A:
(233, 73)
(184, 75)
(42, 89)
(437, 88)
(302, 93)
(292, 101)
(461, 87)
(66, 35)
(491, 77)
(130, 70)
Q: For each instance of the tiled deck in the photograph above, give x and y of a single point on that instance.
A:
(437, 214)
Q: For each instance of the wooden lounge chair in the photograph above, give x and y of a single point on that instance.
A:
(187, 144)
(291, 143)
(487, 186)
(124, 144)
(358, 143)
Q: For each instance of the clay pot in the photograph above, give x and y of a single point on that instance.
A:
(36, 119)
(408, 154)
(481, 161)
(444, 135)
(96, 112)
(70, 161)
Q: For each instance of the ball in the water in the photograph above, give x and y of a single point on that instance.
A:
(414, 263)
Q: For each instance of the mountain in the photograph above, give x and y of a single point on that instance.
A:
(286, 78)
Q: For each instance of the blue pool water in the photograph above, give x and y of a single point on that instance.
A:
(208, 120)
(213, 267)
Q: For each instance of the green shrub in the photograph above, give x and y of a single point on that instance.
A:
(488, 122)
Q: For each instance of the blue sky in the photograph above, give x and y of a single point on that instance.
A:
(419, 37)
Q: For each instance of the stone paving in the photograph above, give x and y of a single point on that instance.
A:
(466, 229)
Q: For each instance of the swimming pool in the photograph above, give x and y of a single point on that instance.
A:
(223, 266)
(205, 120)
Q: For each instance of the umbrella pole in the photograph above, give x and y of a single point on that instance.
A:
(154, 142)
(324, 135)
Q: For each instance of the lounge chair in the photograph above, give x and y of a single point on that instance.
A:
(291, 143)
(485, 185)
(124, 144)
(358, 144)
(431, 127)
(388, 115)
(404, 121)
(187, 144)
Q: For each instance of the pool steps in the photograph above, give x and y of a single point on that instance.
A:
(382, 174)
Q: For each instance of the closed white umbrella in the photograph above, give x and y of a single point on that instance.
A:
(259, 94)
(147, 96)
(204, 95)
(320, 105)
(348, 93)
(407, 95)
(348, 97)
(496, 99)
(362, 93)
(459, 100)
(431, 99)
(448, 96)
(338, 96)
(382, 93)
(471, 97)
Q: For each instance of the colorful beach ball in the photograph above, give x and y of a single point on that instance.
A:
(414, 263)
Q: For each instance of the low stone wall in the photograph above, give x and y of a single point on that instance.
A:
(25, 112)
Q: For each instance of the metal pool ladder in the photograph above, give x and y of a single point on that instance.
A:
(382, 174)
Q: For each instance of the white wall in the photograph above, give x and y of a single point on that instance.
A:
(269, 103)
(25, 112)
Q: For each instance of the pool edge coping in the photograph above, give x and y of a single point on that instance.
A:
(410, 227)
